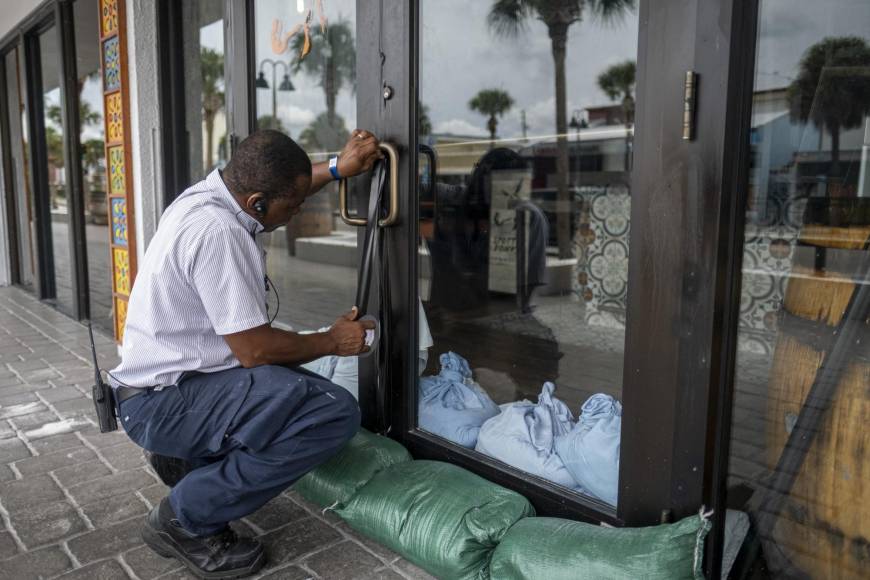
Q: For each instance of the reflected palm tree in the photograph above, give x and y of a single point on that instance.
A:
(211, 64)
(508, 18)
(494, 103)
(617, 82)
(832, 89)
(333, 61)
(424, 123)
(322, 134)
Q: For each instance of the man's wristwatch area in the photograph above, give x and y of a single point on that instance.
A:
(333, 168)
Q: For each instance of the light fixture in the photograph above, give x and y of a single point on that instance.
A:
(300, 6)
(286, 85)
(261, 82)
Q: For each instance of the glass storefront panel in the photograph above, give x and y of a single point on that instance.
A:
(205, 86)
(92, 140)
(800, 443)
(304, 79)
(58, 191)
(524, 222)
(19, 167)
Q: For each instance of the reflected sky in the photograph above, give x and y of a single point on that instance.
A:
(463, 49)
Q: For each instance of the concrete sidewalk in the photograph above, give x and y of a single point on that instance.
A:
(72, 499)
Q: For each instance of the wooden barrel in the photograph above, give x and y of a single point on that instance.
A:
(313, 220)
(823, 528)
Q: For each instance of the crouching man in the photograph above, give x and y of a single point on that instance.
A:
(205, 378)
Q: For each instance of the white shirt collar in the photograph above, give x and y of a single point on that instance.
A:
(216, 184)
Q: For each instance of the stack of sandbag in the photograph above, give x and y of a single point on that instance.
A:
(590, 451)
(523, 436)
(452, 405)
(443, 518)
(558, 549)
(334, 482)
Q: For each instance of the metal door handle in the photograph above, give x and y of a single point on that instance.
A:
(393, 216)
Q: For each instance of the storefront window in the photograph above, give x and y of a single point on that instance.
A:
(304, 79)
(92, 141)
(58, 190)
(19, 169)
(524, 222)
(205, 85)
(800, 443)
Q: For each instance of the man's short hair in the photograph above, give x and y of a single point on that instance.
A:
(266, 161)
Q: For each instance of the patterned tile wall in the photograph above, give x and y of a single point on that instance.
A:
(111, 65)
(120, 318)
(121, 262)
(601, 245)
(119, 221)
(108, 16)
(117, 179)
(114, 117)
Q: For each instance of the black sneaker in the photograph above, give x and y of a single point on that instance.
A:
(223, 555)
(170, 470)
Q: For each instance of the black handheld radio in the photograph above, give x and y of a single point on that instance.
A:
(104, 398)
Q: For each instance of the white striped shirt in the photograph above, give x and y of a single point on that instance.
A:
(203, 276)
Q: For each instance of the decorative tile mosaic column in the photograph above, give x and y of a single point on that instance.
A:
(116, 101)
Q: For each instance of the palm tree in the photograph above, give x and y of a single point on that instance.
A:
(323, 133)
(211, 64)
(832, 88)
(508, 18)
(424, 123)
(617, 82)
(333, 61)
(494, 103)
(270, 122)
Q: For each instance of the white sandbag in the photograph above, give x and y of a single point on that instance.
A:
(452, 405)
(590, 451)
(524, 433)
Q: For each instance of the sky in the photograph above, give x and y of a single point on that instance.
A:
(461, 56)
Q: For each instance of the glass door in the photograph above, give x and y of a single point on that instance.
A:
(21, 212)
(515, 125)
(303, 82)
(524, 221)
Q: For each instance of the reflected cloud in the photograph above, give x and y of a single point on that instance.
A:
(459, 127)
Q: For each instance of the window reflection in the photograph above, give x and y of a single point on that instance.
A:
(305, 87)
(58, 193)
(205, 84)
(524, 222)
(19, 167)
(93, 160)
(800, 475)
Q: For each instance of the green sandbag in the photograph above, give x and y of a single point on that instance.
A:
(337, 480)
(441, 517)
(559, 549)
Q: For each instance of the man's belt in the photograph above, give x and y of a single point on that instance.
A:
(124, 393)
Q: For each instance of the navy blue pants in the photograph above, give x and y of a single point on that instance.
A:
(251, 432)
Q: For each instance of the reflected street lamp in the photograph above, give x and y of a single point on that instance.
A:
(286, 85)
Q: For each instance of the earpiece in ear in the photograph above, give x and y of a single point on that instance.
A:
(260, 207)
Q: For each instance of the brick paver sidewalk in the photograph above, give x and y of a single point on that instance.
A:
(72, 499)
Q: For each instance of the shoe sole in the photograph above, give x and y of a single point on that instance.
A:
(154, 540)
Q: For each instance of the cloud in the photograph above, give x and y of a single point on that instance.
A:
(294, 115)
(460, 127)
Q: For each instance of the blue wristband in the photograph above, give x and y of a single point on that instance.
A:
(333, 168)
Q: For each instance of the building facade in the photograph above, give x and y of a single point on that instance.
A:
(661, 207)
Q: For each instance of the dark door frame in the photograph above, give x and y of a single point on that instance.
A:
(44, 275)
(9, 171)
(60, 14)
(685, 257)
(73, 159)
